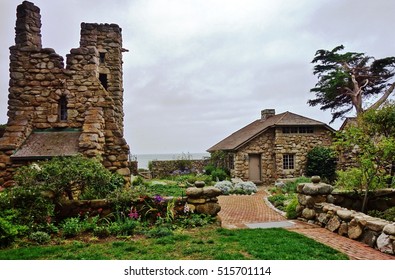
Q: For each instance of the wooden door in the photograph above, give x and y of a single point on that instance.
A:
(254, 167)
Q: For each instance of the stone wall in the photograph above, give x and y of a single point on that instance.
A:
(379, 200)
(298, 145)
(162, 168)
(263, 145)
(199, 199)
(272, 145)
(89, 87)
(316, 206)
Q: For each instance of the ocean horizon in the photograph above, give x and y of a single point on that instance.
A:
(144, 159)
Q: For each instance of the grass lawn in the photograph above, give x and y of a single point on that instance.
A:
(208, 243)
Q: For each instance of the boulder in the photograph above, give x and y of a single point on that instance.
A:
(314, 189)
(308, 213)
(389, 229)
(354, 230)
(345, 215)
(343, 229)
(194, 192)
(376, 224)
(323, 218)
(333, 224)
(211, 192)
(208, 208)
(385, 244)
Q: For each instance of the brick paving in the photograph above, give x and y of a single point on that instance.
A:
(239, 210)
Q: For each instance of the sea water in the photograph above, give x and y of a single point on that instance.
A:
(144, 159)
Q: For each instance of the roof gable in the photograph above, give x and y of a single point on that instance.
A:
(250, 131)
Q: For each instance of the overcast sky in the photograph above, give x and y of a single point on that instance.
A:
(199, 70)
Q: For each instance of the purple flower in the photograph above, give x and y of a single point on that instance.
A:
(133, 213)
(158, 199)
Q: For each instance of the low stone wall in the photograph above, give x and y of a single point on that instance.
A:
(379, 200)
(199, 199)
(161, 168)
(316, 206)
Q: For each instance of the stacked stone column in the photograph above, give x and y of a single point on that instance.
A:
(203, 200)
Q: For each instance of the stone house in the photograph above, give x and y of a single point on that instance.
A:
(274, 146)
(56, 109)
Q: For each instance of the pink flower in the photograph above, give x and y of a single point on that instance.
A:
(133, 213)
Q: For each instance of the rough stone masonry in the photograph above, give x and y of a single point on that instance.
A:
(50, 102)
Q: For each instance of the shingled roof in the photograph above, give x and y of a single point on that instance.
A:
(47, 144)
(249, 132)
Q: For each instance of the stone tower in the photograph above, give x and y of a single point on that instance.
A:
(56, 109)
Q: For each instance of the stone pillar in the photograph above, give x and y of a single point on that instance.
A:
(28, 26)
(308, 195)
(203, 200)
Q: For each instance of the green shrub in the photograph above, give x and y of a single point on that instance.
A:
(10, 230)
(209, 169)
(218, 175)
(74, 176)
(40, 237)
(290, 186)
(321, 161)
(71, 227)
(277, 200)
(388, 214)
(195, 220)
(123, 227)
(137, 181)
(159, 231)
(101, 231)
(351, 179)
(291, 208)
(32, 207)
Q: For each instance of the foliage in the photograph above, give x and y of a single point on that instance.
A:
(166, 190)
(194, 220)
(351, 179)
(346, 80)
(245, 187)
(225, 186)
(122, 227)
(388, 214)
(321, 161)
(40, 237)
(374, 141)
(71, 227)
(10, 229)
(159, 231)
(284, 198)
(72, 176)
(228, 187)
(218, 159)
(30, 205)
(137, 181)
(290, 209)
(278, 200)
(219, 175)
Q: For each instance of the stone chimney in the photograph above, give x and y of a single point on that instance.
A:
(28, 26)
(267, 113)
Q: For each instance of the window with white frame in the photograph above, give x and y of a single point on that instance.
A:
(288, 161)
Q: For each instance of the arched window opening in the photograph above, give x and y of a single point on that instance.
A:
(62, 108)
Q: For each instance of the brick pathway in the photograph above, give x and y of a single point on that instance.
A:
(237, 211)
